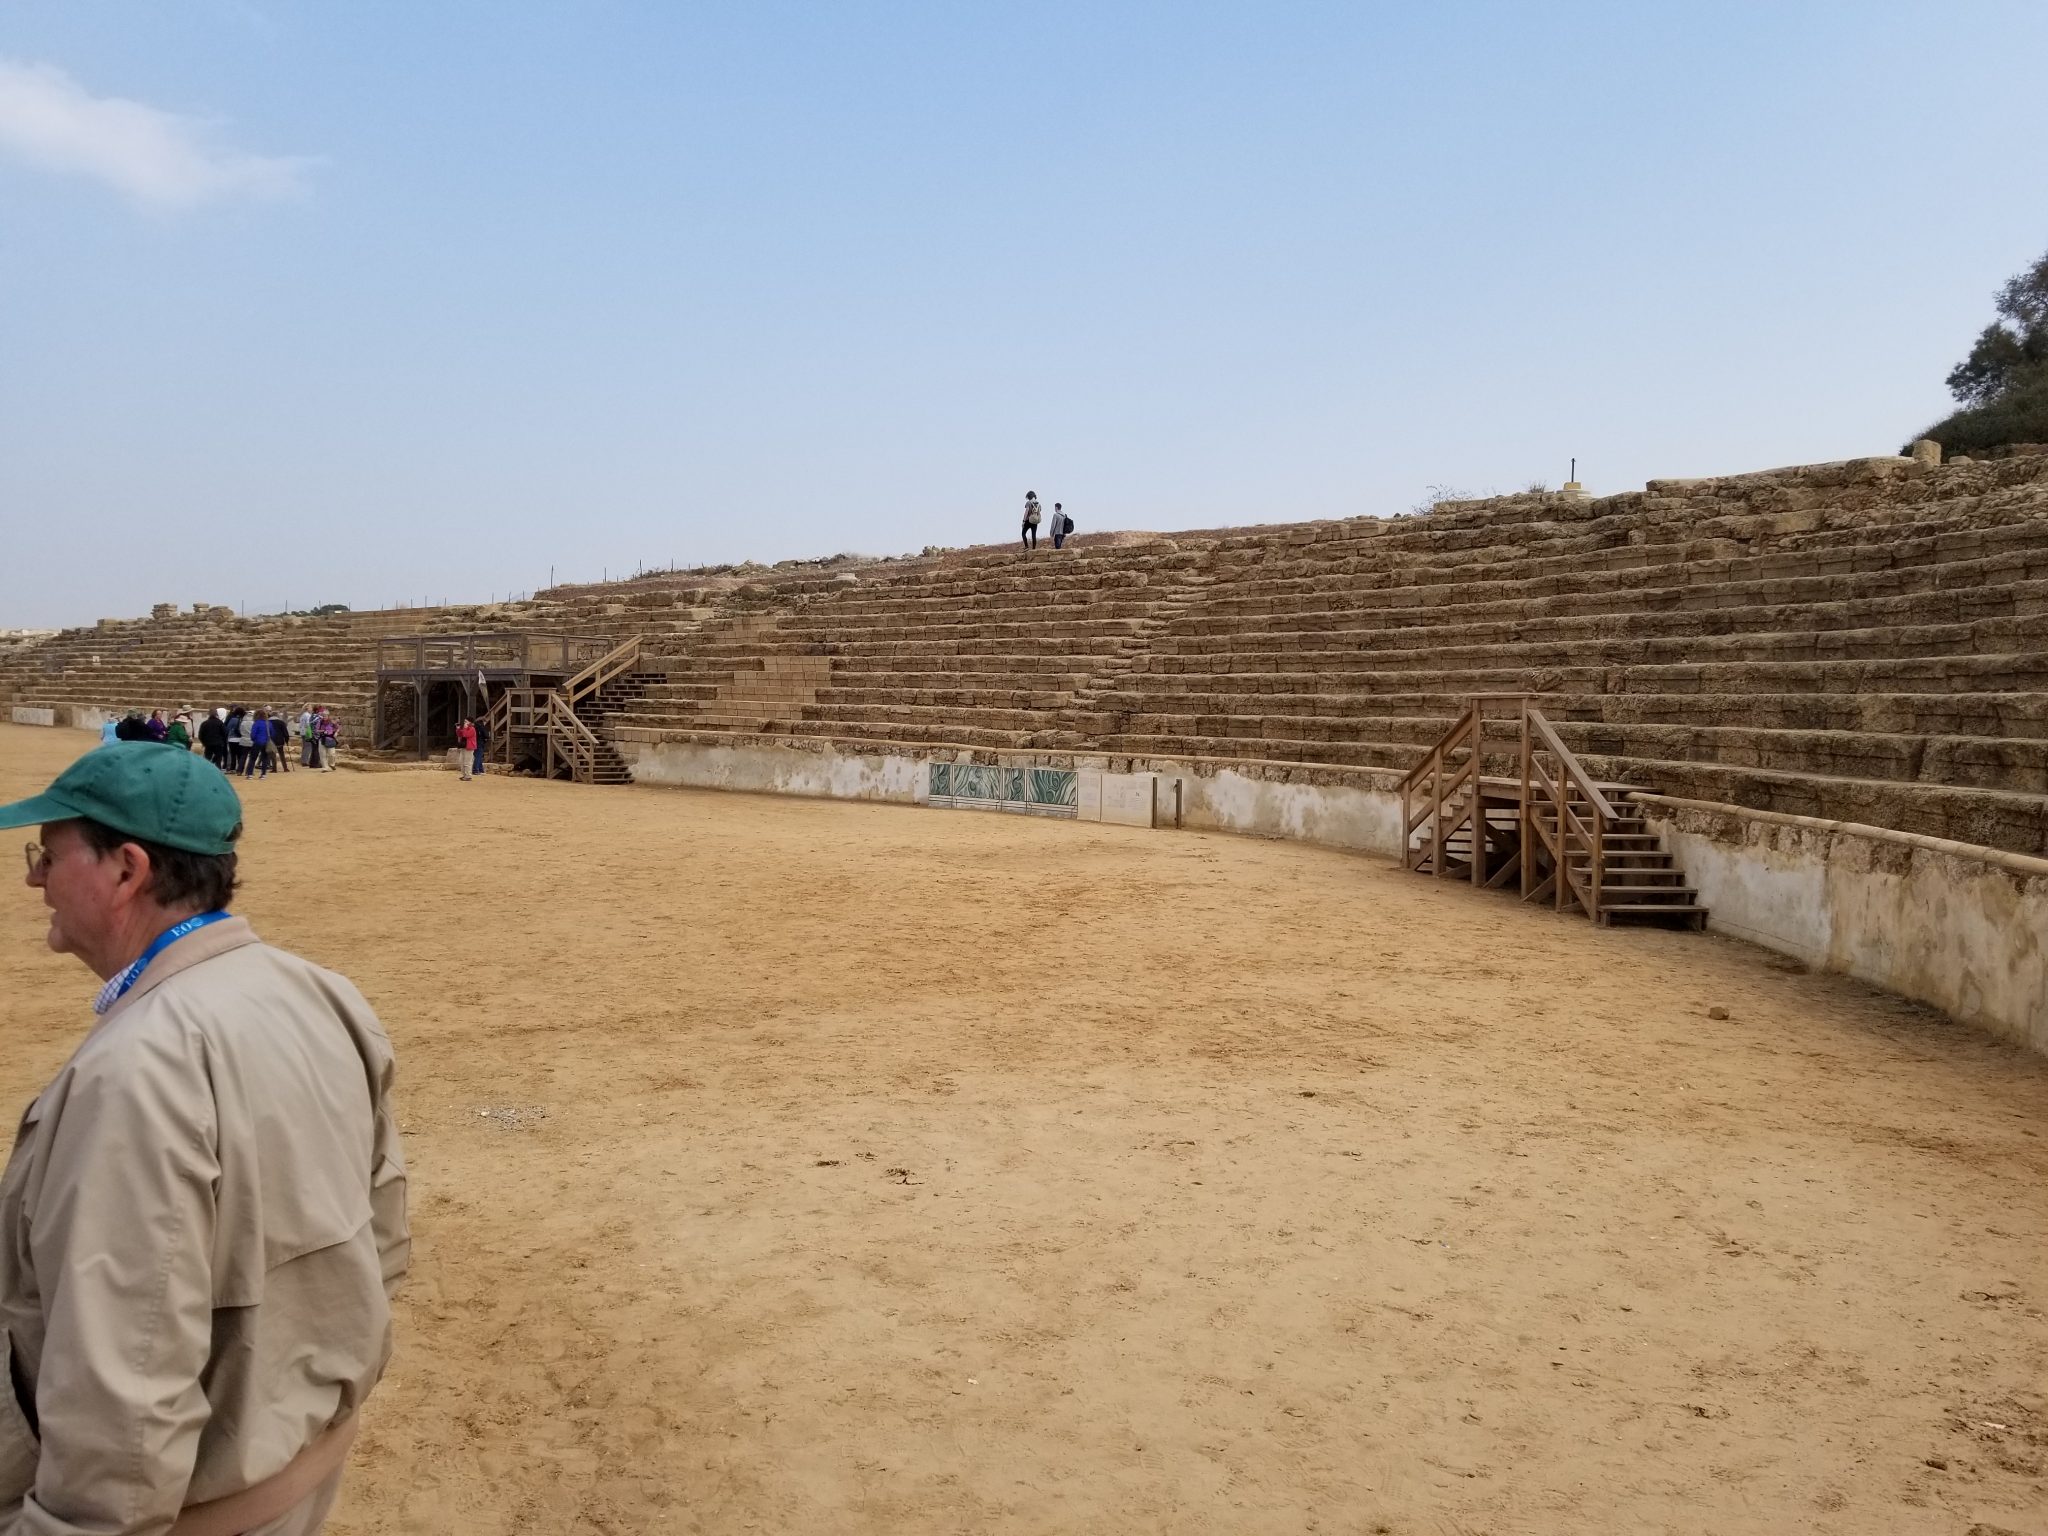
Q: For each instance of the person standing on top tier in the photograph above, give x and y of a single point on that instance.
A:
(205, 1210)
(1031, 520)
(1062, 525)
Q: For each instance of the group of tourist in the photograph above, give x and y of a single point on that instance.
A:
(1058, 529)
(237, 739)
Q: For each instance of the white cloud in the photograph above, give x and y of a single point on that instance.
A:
(158, 158)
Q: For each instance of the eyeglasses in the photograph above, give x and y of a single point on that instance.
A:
(38, 860)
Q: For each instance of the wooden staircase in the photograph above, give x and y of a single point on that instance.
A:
(594, 708)
(1553, 830)
(571, 722)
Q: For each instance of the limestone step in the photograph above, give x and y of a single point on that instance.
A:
(1340, 609)
(1869, 643)
(2015, 600)
(1990, 715)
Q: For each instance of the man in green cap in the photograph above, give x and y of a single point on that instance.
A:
(203, 1217)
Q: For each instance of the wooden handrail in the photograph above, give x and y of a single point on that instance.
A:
(614, 662)
(1575, 771)
(1446, 744)
(575, 740)
(498, 721)
(1572, 831)
(1566, 820)
(564, 717)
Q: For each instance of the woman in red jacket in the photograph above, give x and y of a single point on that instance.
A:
(465, 743)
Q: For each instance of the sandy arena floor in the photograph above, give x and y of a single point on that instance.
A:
(791, 1166)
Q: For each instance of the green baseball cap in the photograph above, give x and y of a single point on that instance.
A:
(144, 789)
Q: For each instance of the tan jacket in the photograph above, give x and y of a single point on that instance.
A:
(200, 1227)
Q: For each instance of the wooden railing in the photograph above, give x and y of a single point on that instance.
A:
(498, 722)
(567, 740)
(615, 663)
(497, 651)
(525, 709)
(1433, 784)
(1559, 816)
(570, 741)
(1565, 813)
(1448, 792)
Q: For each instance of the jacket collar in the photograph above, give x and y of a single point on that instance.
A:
(208, 943)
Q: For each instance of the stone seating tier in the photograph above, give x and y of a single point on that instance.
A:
(2019, 764)
(1835, 539)
(1707, 582)
(1871, 636)
(1992, 715)
(1819, 546)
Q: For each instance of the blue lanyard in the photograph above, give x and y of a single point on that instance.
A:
(162, 942)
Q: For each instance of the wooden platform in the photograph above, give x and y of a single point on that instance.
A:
(453, 677)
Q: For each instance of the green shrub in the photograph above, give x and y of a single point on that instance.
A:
(2019, 414)
(2003, 383)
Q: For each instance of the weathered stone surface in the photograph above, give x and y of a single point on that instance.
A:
(1872, 633)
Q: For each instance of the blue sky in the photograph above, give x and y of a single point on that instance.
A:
(354, 302)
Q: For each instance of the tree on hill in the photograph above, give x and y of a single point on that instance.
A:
(2003, 384)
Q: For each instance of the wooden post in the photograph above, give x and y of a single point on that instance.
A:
(1598, 864)
(1478, 794)
(1526, 822)
(1436, 825)
(1410, 856)
(1561, 790)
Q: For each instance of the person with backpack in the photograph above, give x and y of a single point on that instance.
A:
(1062, 525)
(1030, 520)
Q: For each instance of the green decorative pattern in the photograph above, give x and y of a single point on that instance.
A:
(993, 787)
